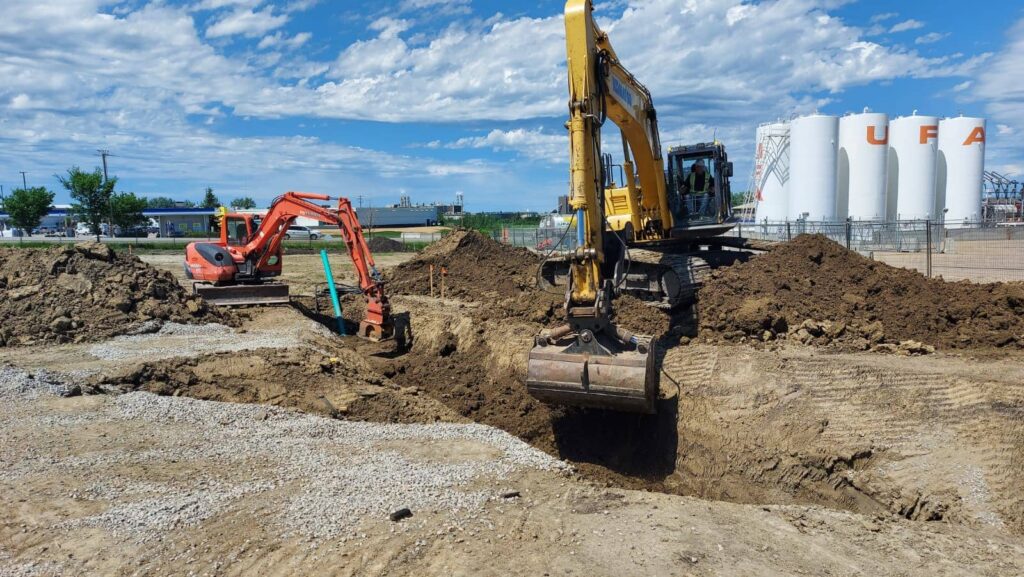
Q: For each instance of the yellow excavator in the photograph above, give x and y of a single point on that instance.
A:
(653, 233)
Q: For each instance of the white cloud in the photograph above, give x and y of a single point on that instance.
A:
(910, 24)
(1004, 101)
(279, 40)
(535, 144)
(437, 7)
(930, 38)
(246, 22)
(883, 17)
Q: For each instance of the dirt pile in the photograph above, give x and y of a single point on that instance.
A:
(379, 244)
(87, 292)
(815, 291)
(479, 270)
(338, 384)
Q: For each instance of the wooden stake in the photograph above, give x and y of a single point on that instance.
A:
(444, 273)
(431, 281)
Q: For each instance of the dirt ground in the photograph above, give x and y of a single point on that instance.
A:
(780, 460)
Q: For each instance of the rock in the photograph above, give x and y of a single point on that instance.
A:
(23, 292)
(885, 348)
(95, 250)
(121, 304)
(916, 348)
(510, 495)
(835, 329)
(60, 324)
(75, 283)
(194, 306)
(400, 514)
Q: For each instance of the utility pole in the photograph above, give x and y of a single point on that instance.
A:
(24, 183)
(110, 203)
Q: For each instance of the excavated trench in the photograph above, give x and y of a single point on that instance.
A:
(735, 422)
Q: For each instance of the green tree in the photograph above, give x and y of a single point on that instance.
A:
(738, 198)
(91, 195)
(28, 206)
(243, 203)
(159, 202)
(210, 200)
(166, 202)
(127, 209)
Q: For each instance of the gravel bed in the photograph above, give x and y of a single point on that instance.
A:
(311, 477)
(196, 340)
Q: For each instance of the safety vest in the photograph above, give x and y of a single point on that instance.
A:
(693, 182)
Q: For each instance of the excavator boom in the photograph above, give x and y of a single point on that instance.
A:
(589, 361)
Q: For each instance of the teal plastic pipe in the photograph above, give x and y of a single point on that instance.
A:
(334, 292)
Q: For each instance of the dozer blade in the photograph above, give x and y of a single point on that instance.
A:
(239, 295)
(621, 381)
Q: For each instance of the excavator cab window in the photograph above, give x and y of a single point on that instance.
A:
(697, 187)
(238, 230)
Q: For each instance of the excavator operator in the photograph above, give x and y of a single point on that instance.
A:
(699, 185)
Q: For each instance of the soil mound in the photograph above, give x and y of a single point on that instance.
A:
(87, 292)
(338, 384)
(479, 270)
(816, 291)
(385, 244)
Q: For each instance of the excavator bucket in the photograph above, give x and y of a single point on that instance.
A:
(243, 294)
(611, 375)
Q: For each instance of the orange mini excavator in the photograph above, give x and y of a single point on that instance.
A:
(237, 269)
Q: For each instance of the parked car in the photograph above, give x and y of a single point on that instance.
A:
(300, 233)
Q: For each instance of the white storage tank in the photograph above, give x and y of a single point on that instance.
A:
(771, 172)
(913, 145)
(813, 142)
(960, 169)
(863, 150)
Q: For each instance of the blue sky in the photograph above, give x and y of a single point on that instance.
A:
(434, 97)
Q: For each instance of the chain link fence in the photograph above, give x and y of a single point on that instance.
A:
(976, 251)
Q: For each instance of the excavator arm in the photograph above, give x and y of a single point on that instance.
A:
(267, 239)
(589, 361)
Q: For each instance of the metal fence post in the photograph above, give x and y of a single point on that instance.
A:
(789, 231)
(849, 232)
(928, 247)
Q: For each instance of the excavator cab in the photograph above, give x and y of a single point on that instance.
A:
(698, 186)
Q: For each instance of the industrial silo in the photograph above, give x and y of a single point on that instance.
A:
(863, 149)
(961, 164)
(913, 142)
(771, 172)
(812, 168)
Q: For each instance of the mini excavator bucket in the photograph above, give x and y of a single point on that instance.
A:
(610, 369)
(242, 294)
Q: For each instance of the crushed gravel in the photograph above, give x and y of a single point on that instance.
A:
(316, 478)
(194, 340)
